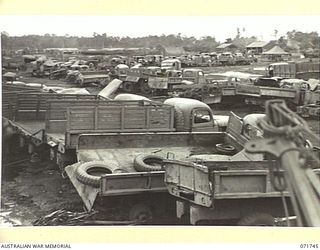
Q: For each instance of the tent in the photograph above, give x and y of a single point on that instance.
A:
(276, 54)
(276, 50)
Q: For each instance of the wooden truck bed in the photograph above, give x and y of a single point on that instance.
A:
(258, 91)
(62, 118)
(121, 148)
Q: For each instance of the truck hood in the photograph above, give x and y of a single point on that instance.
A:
(110, 89)
(221, 120)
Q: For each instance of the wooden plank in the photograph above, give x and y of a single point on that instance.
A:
(56, 126)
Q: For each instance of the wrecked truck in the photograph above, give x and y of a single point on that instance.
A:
(125, 171)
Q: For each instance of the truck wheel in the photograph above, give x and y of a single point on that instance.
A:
(225, 148)
(179, 119)
(90, 172)
(127, 87)
(257, 219)
(148, 162)
(144, 88)
(140, 213)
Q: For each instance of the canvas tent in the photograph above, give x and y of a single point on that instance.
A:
(276, 54)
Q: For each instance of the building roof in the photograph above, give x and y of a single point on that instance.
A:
(276, 50)
(174, 51)
(226, 45)
(257, 44)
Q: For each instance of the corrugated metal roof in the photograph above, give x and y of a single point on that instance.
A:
(226, 45)
(257, 44)
(174, 51)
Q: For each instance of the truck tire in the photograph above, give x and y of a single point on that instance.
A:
(144, 88)
(179, 119)
(257, 219)
(90, 172)
(127, 87)
(148, 162)
(225, 148)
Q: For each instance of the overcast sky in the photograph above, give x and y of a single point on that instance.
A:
(221, 27)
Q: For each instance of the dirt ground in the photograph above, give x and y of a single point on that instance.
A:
(32, 190)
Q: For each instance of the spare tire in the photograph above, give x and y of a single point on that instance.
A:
(144, 87)
(148, 162)
(90, 172)
(127, 87)
(225, 148)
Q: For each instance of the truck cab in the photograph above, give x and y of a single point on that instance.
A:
(195, 116)
(168, 64)
(188, 77)
(226, 58)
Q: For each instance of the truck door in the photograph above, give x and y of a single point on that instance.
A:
(201, 120)
(201, 78)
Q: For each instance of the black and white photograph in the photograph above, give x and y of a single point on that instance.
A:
(160, 120)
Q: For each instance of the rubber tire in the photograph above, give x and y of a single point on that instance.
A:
(140, 164)
(128, 87)
(83, 175)
(225, 148)
(179, 119)
(144, 87)
(257, 219)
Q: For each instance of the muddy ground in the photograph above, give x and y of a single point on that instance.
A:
(30, 191)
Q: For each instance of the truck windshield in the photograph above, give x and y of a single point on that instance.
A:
(189, 73)
(201, 116)
(167, 64)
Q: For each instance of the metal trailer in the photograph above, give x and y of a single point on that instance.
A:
(215, 192)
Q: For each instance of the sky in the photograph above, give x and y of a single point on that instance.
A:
(220, 27)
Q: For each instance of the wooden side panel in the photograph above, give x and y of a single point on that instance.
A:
(109, 118)
(159, 118)
(81, 119)
(56, 126)
(135, 118)
(120, 118)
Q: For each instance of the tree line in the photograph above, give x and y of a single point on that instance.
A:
(98, 41)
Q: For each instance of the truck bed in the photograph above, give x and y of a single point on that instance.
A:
(34, 127)
(122, 148)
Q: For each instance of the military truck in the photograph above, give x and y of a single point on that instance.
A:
(298, 70)
(124, 171)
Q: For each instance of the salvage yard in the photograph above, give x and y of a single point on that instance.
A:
(32, 190)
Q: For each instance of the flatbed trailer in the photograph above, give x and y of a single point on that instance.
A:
(56, 120)
(121, 149)
(131, 187)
